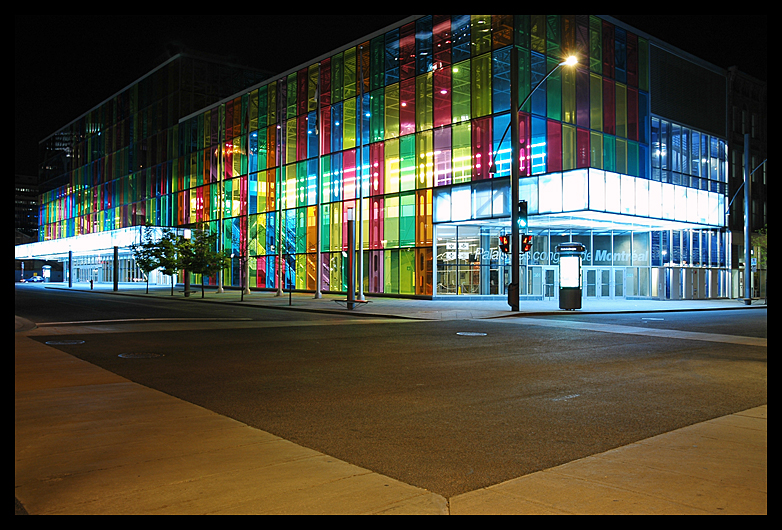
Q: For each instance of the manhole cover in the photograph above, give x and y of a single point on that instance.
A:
(140, 355)
(471, 334)
(63, 342)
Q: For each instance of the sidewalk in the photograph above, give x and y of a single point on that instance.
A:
(437, 309)
(90, 442)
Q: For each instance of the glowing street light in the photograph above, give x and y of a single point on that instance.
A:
(513, 288)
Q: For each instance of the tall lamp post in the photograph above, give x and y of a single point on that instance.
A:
(515, 247)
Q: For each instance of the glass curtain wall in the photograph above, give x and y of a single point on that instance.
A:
(383, 127)
(380, 128)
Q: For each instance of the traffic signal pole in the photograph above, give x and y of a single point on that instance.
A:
(515, 248)
(513, 288)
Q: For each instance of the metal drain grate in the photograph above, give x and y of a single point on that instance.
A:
(471, 334)
(140, 355)
(63, 342)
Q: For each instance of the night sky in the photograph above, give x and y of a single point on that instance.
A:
(65, 65)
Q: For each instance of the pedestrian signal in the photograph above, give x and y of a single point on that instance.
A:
(526, 243)
(505, 244)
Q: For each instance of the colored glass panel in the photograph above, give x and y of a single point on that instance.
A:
(481, 74)
(460, 99)
(441, 96)
(461, 152)
(391, 117)
(423, 102)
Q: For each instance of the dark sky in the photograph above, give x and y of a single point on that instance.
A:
(65, 65)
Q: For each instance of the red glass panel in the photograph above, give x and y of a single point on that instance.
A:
(554, 145)
(481, 148)
(407, 107)
(407, 51)
(376, 163)
(609, 107)
(442, 96)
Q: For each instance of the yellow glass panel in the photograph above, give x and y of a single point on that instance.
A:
(425, 163)
(391, 184)
(391, 122)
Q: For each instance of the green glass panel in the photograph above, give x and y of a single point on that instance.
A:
(423, 102)
(391, 117)
(407, 271)
(554, 91)
(621, 110)
(391, 222)
(480, 34)
(595, 45)
(481, 85)
(407, 220)
(377, 118)
(461, 101)
(350, 86)
(596, 154)
(407, 162)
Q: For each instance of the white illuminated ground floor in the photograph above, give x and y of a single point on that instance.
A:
(617, 263)
(641, 239)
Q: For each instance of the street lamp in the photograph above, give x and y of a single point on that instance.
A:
(513, 288)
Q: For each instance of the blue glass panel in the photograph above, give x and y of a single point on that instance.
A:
(538, 66)
(620, 55)
(538, 145)
(312, 181)
(460, 49)
(392, 56)
(366, 113)
(271, 233)
(502, 152)
(501, 80)
(312, 135)
(252, 193)
(423, 44)
(336, 127)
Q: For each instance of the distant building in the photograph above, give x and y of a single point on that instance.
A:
(747, 115)
(627, 153)
(99, 172)
(25, 209)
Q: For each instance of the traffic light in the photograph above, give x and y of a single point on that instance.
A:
(522, 215)
(526, 243)
(505, 244)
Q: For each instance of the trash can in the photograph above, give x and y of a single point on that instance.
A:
(570, 257)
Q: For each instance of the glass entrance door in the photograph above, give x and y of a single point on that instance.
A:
(605, 283)
(619, 283)
(549, 283)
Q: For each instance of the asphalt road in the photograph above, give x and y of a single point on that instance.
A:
(422, 401)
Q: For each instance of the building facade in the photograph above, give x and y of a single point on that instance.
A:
(405, 133)
(99, 173)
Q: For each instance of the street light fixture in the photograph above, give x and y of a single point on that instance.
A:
(513, 288)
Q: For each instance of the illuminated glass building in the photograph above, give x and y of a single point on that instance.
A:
(624, 153)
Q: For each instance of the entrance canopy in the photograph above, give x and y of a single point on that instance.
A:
(58, 249)
(589, 199)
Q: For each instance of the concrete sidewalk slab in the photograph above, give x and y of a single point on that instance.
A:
(718, 467)
(90, 442)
